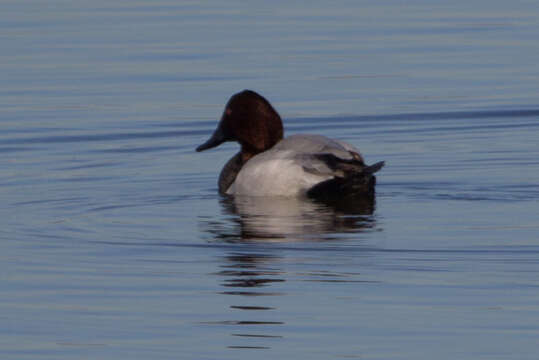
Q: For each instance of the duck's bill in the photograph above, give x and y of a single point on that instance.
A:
(215, 140)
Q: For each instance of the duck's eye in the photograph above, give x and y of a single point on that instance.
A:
(228, 111)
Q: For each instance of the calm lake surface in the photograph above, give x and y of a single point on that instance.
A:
(114, 243)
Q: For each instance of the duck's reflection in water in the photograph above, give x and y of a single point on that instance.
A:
(253, 278)
(244, 271)
(246, 278)
(289, 219)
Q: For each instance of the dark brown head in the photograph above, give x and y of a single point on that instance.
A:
(249, 119)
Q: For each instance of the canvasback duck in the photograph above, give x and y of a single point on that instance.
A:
(299, 165)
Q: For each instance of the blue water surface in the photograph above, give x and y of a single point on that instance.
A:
(114, 243)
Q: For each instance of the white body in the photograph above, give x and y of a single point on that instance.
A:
(289, 168)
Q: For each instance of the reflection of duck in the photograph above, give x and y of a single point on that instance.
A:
(269, 165)
(250, 271)
(289, 219)
(248, 277)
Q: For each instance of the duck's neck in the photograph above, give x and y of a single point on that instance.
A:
(245, 156)
(249, 150)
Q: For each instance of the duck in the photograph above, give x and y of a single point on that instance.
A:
(301, 165)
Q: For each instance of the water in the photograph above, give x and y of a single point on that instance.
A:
(115, 244)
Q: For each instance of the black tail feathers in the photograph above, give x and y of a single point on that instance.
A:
(371, 169)
(357, 181)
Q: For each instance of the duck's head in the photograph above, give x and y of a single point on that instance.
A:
(249, 119)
